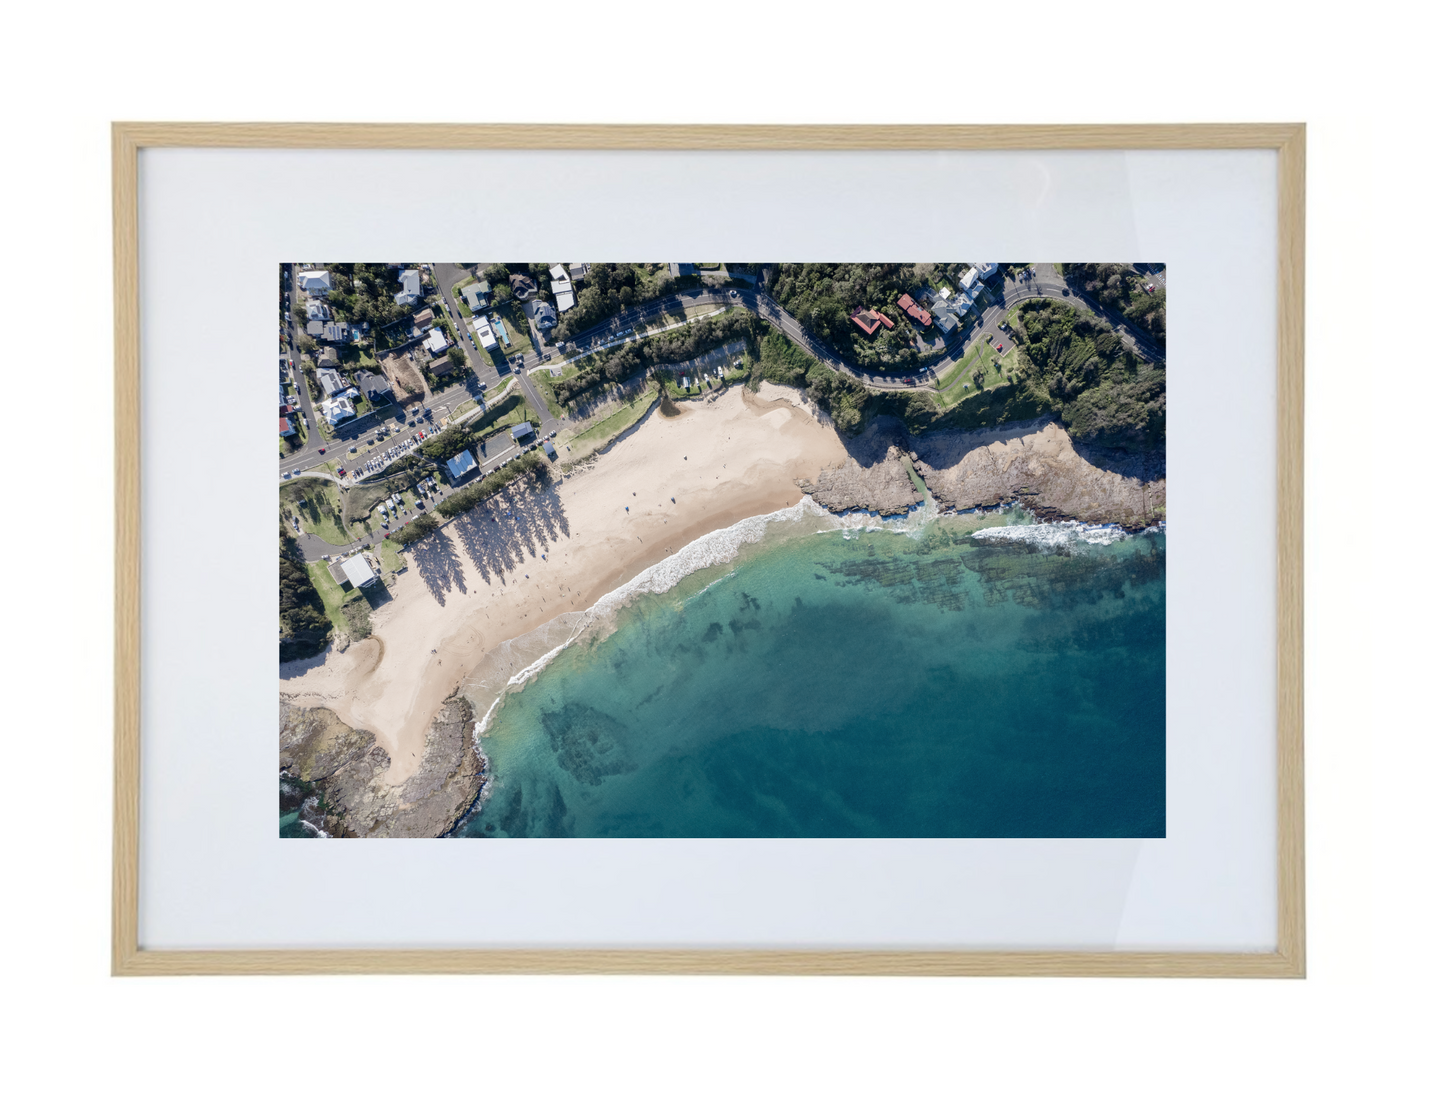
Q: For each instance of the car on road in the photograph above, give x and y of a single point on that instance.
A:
(322, 451)
(296, 471)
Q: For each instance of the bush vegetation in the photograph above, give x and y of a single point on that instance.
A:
(1120, 287)
(671, 347)
(304, 623)
(1078, 368)
(822, 296)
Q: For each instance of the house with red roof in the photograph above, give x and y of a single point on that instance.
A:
(286, 428)
(914, 311)
(869, 320)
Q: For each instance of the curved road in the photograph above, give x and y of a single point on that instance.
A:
(1047, 286)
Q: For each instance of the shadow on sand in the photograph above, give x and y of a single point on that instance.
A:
(497, 535)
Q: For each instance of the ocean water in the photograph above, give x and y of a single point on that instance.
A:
(805, 676)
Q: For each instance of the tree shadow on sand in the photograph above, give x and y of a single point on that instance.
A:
(524, 519)
(436, 560)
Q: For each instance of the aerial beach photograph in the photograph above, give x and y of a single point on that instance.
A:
(722, 550)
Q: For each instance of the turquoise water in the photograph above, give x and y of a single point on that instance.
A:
(857, 684)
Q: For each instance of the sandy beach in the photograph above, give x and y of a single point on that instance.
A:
(525, 557)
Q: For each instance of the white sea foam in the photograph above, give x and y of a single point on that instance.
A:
(1052, 534)
(711, 550)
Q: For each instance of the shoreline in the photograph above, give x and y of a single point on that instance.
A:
(517, 562)
(520, 577)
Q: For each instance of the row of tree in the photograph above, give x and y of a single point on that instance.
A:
(367, 293)
(468, 497)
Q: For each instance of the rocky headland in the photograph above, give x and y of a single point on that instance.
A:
(1035, 463)
(342, 768)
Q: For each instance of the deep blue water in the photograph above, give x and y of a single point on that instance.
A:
(884, 685)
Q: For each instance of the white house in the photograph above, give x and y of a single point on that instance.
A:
(436, 341)
(359, 571)
(315, 282)
(330, 381)
(336, 410)
(558, 272)
(970, 280)
(986, 270)
(484, 332)
(565, 302)
(410, 287)
(316, 311)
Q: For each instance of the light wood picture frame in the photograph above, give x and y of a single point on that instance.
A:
(1287, 141)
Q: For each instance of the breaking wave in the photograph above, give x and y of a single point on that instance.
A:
(1052, 534)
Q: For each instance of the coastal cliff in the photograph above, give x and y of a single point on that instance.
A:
(883, 486)
(1036, 463)
(343, 767)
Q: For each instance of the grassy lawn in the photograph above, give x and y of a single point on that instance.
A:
(332, 595)
(321, 514)
(616, 422)
(959, 379)
(511, 410)
(389, 551)
(543, 382)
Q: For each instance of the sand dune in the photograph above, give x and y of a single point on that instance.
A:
(484, 580)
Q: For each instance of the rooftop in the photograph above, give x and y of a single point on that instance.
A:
(359, 572)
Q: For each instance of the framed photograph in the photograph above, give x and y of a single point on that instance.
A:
(799, 612)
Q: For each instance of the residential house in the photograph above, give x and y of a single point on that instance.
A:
(375, 387)
(423, 320)
(485, 337)
(544, 316)
(576, 272)
(986, 270)
(331, 381)
(970, 281)
(315, 282)
(558, 271)
(436, 341)
(562, 292)
(460, 466)
(682, 269)
(359, 571)
(317, 311)
(475, 296)
(328, 358)
(336, 410)
(914, 311)
(410, 287)
(523, 287)
(287, 429)
(314, 329)
(523, 430)
(335, 332)
(947, 322)
(869, 320)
